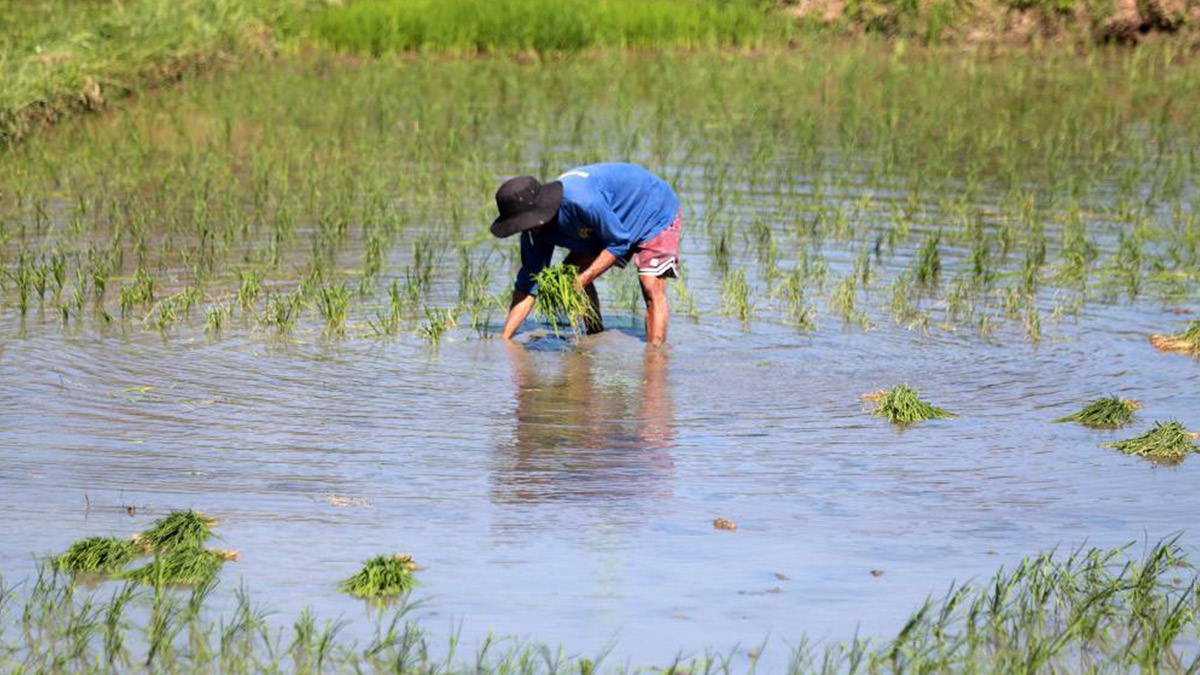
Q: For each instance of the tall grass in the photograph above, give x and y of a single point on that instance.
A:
(383, 26)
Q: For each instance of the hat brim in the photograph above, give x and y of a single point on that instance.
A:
(548, 200)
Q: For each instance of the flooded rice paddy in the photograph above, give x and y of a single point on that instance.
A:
(270, 296)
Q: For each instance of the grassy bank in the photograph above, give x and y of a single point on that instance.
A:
(383, 26)
(59, 56)
(1097, 610)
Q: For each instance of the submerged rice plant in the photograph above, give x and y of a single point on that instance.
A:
(1105, 413)
(182, 565)
(902, 405)
(177, 529)
(97, 555)
(381, 576)
(1167, 442)
(560, 298)
(1187, 342)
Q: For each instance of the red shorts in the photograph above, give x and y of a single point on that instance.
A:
(659, 257)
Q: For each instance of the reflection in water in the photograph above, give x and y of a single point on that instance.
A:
(584, 433)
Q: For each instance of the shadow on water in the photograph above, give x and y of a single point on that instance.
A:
(584, 433)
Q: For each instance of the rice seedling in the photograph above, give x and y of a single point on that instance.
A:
(1167, 442)
(902, 405)
(437, 322)
(382, 576)
(190, 529)
(97, 555)
(929, 261)
(216, 317)
(249, 287)
(185, 565)
(332, 302)
(735, 291)
(1105, 413)
(561, 299)
(1186, 342)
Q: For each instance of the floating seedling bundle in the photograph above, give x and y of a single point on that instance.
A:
(902, 405)
(382, 576)
(561, 299)
(176, 541)
(1167, 442)
(97, 555)
(1105, 413)
(183, 565)
(1187, 342)
(177, 529)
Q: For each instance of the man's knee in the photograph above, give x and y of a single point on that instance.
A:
(654, 289)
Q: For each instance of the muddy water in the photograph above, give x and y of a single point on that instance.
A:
(568, 492)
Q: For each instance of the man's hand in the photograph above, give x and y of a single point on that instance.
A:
(521, 305)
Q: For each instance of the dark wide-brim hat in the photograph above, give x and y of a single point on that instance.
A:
(524, 203)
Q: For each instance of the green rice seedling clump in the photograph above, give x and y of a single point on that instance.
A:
(178, 529)
(1106, 413)
(902, 405)
(97, 555)
(1167, 442)
(182, 565)
(560, 298)
(381, 576)
(1187, 342)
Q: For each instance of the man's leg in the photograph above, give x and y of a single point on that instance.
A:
(658, 313)
(583, 261)
(657, 260)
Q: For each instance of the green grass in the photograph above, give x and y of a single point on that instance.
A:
(1167, 442)
(1097, 610)
(382, 576)
(178, 529)
(383, 26)
(97, 555)
(58, 56)
(902, 405)
(1105, 413)
(560, 299)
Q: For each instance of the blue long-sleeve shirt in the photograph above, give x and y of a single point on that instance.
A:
(609, 206)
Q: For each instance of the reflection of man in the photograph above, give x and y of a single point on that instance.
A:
(605, 215)
(577, 438)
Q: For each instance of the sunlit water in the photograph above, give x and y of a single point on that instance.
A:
(568, 494)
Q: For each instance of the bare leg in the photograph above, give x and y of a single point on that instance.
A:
(658, 313)
(583, 261)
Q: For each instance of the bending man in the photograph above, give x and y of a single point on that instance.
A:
(604, 215)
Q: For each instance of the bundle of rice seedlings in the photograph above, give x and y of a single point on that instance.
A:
(181, 565)
(1105, 413)
(382, 575)
(97, 555)
(1187, 342)
(560, 298)
(902, 406)
(1167, 442)
(176, 529)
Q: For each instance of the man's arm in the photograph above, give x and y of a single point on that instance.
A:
(599, 266)
(522, 303)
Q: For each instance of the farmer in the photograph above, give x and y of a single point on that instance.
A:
(605, 215)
